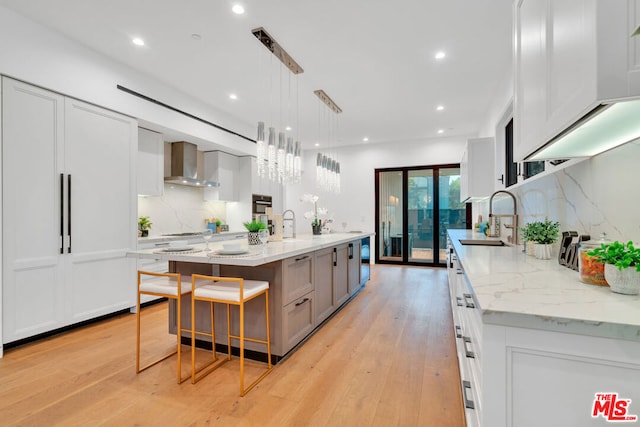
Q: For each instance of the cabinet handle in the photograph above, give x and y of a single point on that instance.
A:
(459, 271)
(468, 299)
(468, 403)
(301, 258)
(459, 302)
(298, 304)
(350, 250)
(69, 211)
(61, 213)
(157, 245)
(470, 354)
(501, 179)
(458, 332)
(335, 257)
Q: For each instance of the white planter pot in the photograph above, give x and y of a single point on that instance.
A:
(625, 281)
(531, 248)
(254, 238)
(542, 251)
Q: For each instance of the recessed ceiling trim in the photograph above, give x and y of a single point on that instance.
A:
(328, 101)
(275, 48)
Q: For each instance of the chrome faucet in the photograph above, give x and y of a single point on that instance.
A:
(292, 219)
(494, 220)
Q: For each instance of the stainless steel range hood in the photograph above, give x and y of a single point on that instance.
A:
(184, 166)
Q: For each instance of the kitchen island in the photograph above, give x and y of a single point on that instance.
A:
(310, 278)
(535, 345)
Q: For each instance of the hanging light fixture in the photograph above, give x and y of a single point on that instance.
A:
(281, 163)
(328, 169)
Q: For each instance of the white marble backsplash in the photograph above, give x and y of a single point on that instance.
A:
(180, 209)
(594, 196)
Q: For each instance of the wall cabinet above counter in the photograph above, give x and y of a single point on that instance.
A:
(476, 169)
(570, 57)
(150, 163)
(223, 168)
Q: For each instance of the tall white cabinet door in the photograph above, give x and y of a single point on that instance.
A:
(101, 148)
(32, 279)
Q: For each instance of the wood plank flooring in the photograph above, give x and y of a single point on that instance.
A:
(387, 359)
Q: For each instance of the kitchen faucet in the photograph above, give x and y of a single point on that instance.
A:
(494, 222)
(292, 219)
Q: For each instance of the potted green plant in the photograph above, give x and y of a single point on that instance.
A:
(254, 228)
(621, 266)
(144, 224)
(218, 224)
(544, 234)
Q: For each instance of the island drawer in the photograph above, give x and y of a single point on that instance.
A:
(298, 320)
(297, 277)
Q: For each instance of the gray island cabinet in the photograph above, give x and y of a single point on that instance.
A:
(310, 279)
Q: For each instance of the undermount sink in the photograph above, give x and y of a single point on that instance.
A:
(481, 242)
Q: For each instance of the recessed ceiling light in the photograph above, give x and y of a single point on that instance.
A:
(440, 55)
(137, 41)
(317, 144)
(440, 130)
(440, 107)
(233, 96)
(365, 139)
(288, 128)
(238, 9)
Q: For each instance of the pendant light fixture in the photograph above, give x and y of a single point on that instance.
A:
(328, 169)
(281, 162)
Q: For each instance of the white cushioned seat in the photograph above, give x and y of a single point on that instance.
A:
(166, 285)
(229, 291)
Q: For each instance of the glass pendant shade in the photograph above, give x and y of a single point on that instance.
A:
(297, 164)
(260, 151)
(288, 162)
(271, 154)
(281, 158)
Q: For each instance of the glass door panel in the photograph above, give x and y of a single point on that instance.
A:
(451, 213)
(390, 205)
(420, 208)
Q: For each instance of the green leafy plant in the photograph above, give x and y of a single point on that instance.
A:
(542, 232)
(218, 223)
(619, 254)
(144, 223)
(255, 226)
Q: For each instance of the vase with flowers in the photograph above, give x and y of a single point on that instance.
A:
(316, 223)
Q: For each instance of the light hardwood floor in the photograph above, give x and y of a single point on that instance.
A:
(387, 359)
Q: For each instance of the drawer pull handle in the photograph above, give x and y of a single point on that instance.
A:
(298, 304)
(468, 299)
(157, 245)
(458, 332)
(468, 403)
(470, 354)
(302, 257)
(459, 302)
(459, 271)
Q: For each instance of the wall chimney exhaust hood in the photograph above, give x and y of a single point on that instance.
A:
(605, 127)
(184, 166)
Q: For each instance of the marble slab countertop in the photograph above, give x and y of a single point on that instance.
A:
(273, 251)
(165, 238)
(513, 289)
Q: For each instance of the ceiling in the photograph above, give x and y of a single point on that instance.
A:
(374, 58)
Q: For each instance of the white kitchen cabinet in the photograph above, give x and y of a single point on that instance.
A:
(69, 210)
(569, 56)
(223, 168)
(476, 169)
(518, 376)
(150, 163)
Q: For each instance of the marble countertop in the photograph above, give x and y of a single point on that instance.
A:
(514, 289)
(165, 238)
(273, 251)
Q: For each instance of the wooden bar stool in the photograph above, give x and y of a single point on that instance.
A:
(170, 286)
(228, 291)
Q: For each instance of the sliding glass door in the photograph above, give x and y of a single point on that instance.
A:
(414, 209)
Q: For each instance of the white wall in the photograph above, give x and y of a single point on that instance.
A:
(37, 55)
